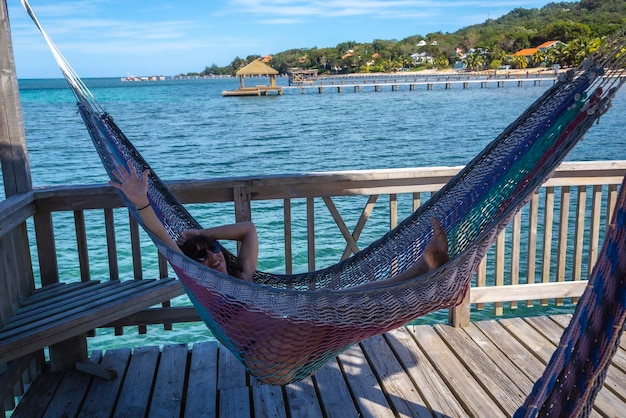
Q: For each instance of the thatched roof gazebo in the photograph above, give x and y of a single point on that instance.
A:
(255, 68)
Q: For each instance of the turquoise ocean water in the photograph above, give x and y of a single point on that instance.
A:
(186, 130)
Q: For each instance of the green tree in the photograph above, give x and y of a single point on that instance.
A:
(237, 64)
(519, 61)
(538, 58)
(567, 31)
(474, 60)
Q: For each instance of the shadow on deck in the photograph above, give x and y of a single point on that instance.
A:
(485, 370)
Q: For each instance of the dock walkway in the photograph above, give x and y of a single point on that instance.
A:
(377, 84)
(486, 370)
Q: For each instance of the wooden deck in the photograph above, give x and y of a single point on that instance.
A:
(485, 370)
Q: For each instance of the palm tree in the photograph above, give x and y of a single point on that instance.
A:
(474, 60)
(558, 54)
(519, 61)
(538, 58)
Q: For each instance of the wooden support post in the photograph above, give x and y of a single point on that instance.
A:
(65, 355)
(459, 316)
(13, 151)
(243, 207)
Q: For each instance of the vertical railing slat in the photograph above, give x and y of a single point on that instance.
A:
(562, 240)
(533, 215)
(594, 230)
(393, 210)
(81, 243)
(515, 251)
(109, 226)
(135, 245)
(548, 220)
(499, 268)
(287, 227)
(46, 248)
(310, 227)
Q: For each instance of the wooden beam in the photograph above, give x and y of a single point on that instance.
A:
(527, 291)
(13, 151)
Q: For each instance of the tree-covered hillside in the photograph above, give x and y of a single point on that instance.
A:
(579, 26)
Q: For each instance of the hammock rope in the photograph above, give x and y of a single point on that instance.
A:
(285, 327)
(577, 368)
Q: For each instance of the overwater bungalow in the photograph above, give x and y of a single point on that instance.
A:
(50, 365)
(256, 68)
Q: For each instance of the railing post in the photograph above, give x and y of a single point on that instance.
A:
(459, 316)
(243, 207)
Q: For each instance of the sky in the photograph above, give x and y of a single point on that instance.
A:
(117, 38)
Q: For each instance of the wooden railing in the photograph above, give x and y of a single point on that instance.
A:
(319, 218)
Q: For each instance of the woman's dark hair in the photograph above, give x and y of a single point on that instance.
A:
(190, 249)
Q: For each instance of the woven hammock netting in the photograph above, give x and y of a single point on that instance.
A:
(285, 327)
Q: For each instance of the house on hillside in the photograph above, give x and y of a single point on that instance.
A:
(422, 58)
(529, 52)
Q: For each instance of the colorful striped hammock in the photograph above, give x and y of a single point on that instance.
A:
(285, 327)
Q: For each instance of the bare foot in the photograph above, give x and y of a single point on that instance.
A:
(436, 252)
(435, 255)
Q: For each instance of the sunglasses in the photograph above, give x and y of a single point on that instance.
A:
(203, 253)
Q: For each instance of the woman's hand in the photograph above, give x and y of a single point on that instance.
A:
(186, 234)
(133, 186)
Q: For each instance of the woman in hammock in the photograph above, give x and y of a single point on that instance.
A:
(203, 246)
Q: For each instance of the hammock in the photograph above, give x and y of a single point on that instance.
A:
(577, 368)
(285, 327)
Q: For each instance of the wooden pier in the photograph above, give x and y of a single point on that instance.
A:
(377, 83)
(485, 370)
(253, 91)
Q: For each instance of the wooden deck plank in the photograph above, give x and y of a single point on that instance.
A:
(69, 395)
(336, 401)
(267, 401)
(413, 371)
(465, 388)
(619, 359)
(363, 384)
(498, 357)
(501, 388)
(433, 390)
(235, 402)
(102, 395)
(615, 379)
(302, 399)
(402, 395)
(605, 401)
(202, 381)
(170, 382)
(137, 388)
(231, 373)
(39, 394)
(513, 349)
